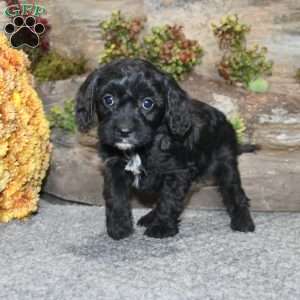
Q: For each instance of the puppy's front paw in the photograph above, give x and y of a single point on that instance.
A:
(118, 230)
(242, 221)
(147, 220)
(161, 230)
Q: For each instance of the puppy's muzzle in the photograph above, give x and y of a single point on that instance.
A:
(124, 132)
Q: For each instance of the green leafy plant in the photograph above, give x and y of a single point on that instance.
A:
(168, 48)
(63, 117)
(121, 37)
(239, 126)
(53, 66)
(240, 64)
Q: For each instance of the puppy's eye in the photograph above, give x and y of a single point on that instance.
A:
(108, 99)
(148, 103)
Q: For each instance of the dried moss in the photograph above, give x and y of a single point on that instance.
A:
(238, 123)
(63, 117)
(297, 76)
(53, 66)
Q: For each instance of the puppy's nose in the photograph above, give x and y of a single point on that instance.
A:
(125, 131)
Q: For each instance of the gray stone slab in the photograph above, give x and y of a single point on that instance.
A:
(75, 175)
(271, 180)
(277, 136)
(63, 253)
(57, 92)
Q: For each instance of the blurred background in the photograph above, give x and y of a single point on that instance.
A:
(274, 23)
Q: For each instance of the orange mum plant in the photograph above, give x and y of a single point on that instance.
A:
(24, 136)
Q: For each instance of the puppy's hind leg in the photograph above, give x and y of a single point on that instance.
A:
(163, 220)
(234, 197)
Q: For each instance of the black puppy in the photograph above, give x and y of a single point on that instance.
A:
(154, 137)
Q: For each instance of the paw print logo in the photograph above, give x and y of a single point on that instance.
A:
(24, 31)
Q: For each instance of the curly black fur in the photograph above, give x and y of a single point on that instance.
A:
(178, 140)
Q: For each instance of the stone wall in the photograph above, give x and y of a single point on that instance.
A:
(75, 24)
(270, 177)
(275, 24)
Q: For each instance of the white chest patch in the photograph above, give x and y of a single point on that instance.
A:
(135, 166)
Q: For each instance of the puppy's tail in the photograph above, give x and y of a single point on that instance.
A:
(248, 148)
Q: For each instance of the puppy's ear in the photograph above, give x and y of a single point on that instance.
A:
(177, 113)
(86, 103)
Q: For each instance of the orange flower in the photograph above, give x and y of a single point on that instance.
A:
(24, 137)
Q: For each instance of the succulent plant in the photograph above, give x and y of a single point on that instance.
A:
(121, 37)
(230, 33)
(166, 46)
(239, 63)
(245, 65)
(258, 85)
